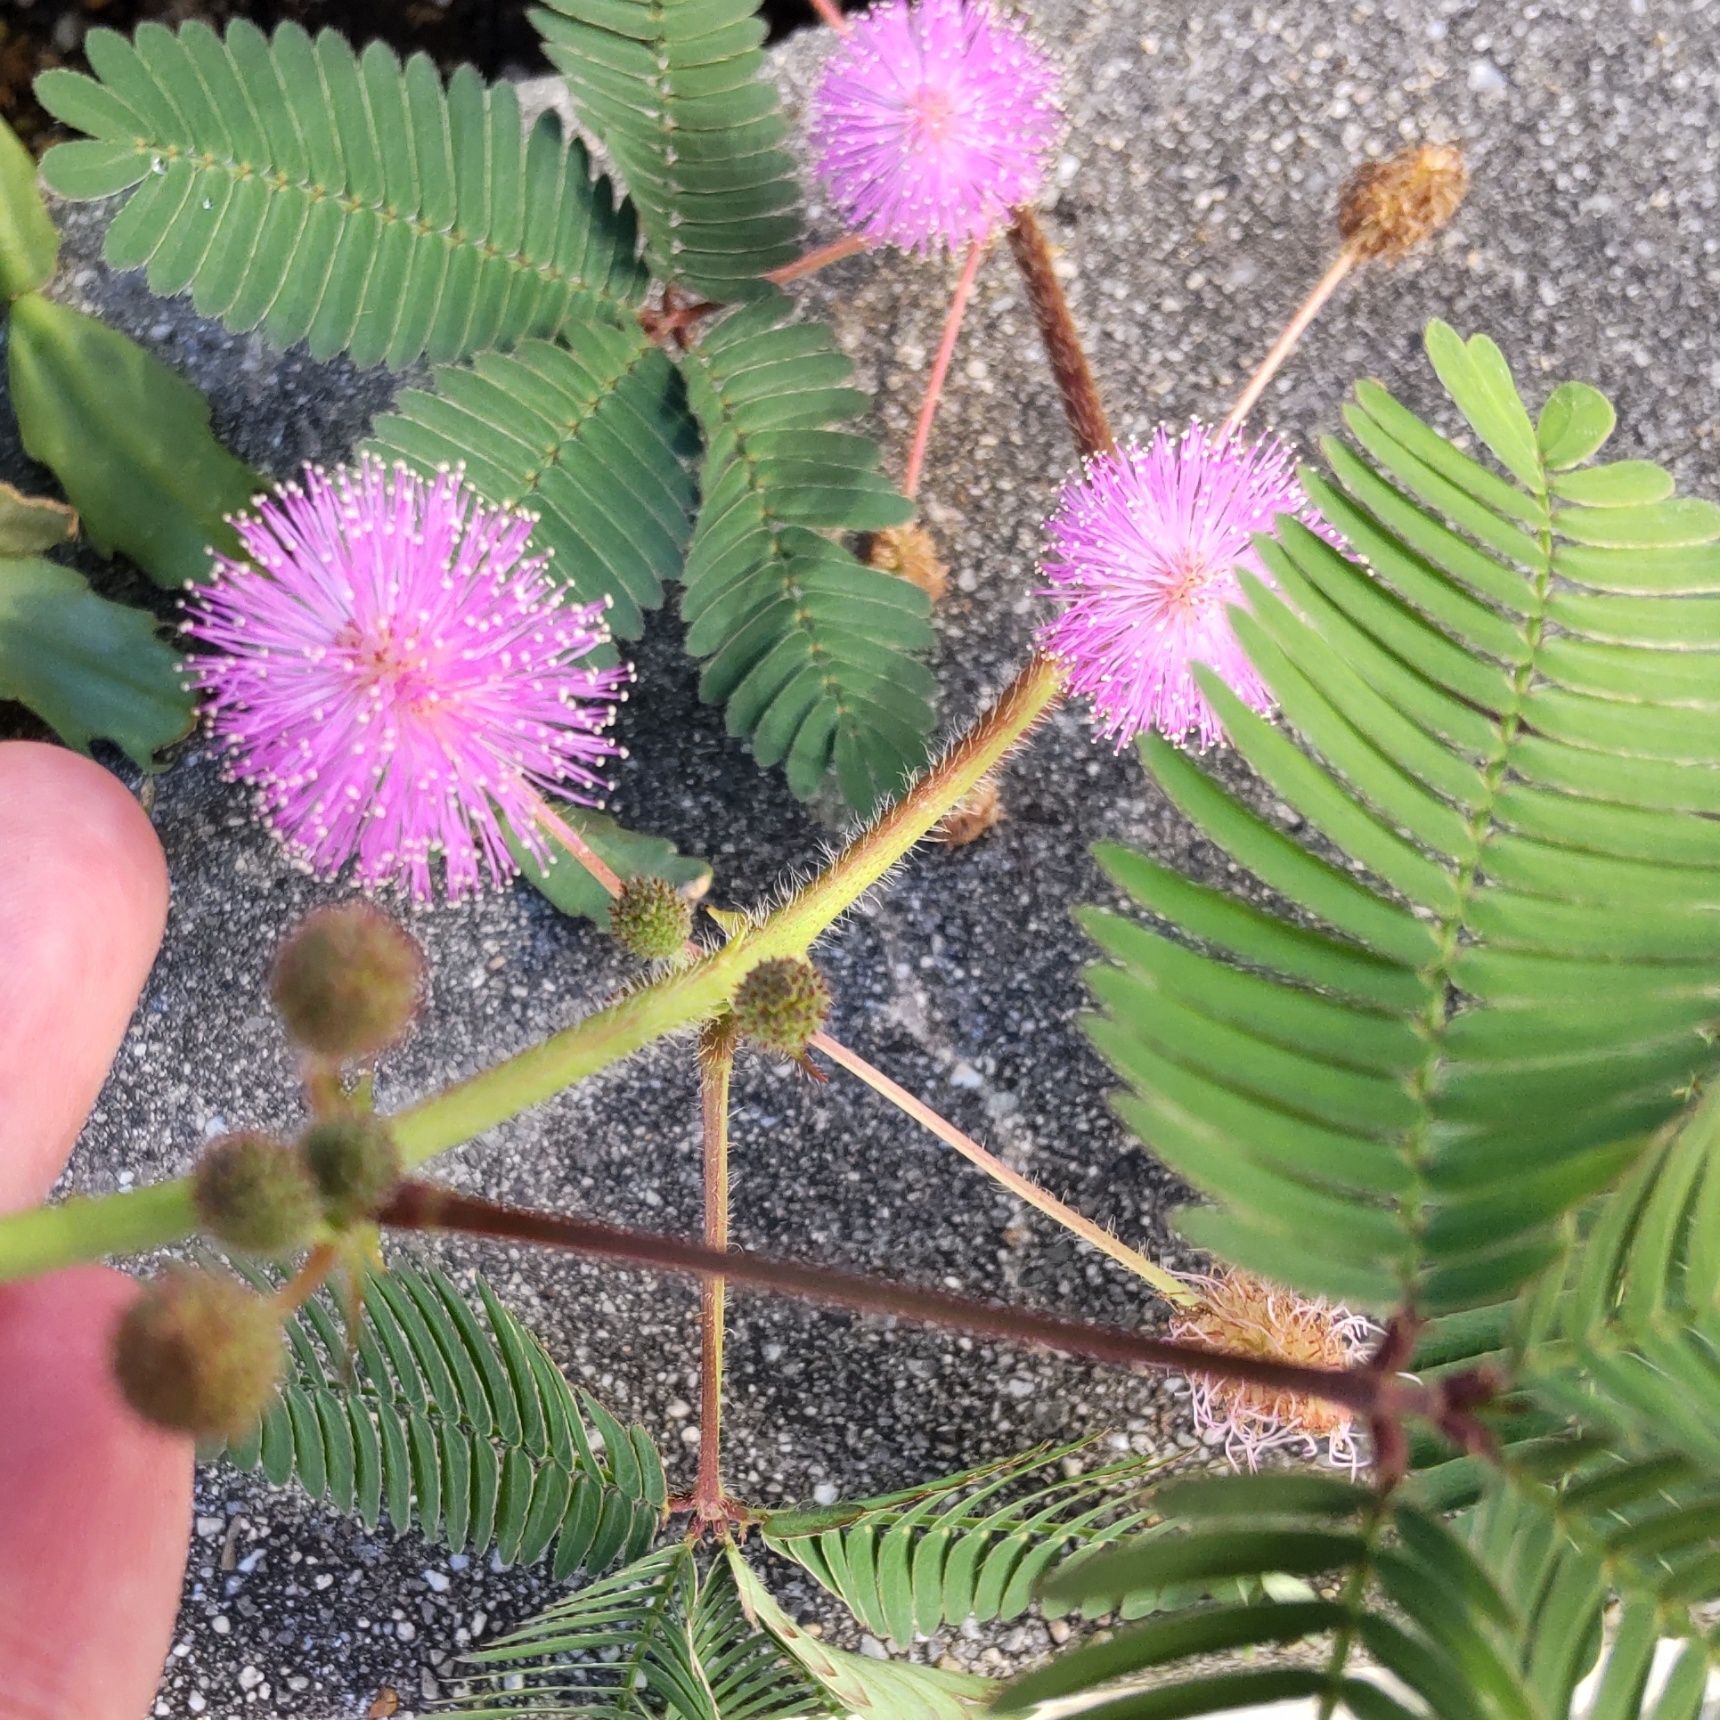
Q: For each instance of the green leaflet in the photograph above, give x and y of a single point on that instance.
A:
(87, 667)
(29, 245)
(456, 1425)
(128, 439)
(1629, 1347)
(816, 657)
(630, 853)
(338, 198)
(592, 434)
(664, 1637)
(1501, 719)
(679, 97)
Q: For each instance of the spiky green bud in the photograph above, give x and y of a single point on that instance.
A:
(780, 1005)
(348, 981)
(355, 1164)
(651, 919)
(256, 1194)
(198, 1353)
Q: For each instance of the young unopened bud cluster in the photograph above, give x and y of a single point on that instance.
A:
(256, 1194)
(780, 1005)
(348, 982)
(651, 919)
(1389, 207)
(909, 551)
(355, 1165)
(198, 1353)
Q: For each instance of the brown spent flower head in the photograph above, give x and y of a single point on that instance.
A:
(973, 815)
(355, 1165)
(1247, 1316)
(651, 919)
(348, 981)
(198, 1353)
(1389, 207)
(909, 551)
(254, 1193)
(780, 1005)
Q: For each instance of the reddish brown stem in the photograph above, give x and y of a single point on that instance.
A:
(675, 320)
(831, 14)
(1081, 403)
(941, 369)
(426, 1206)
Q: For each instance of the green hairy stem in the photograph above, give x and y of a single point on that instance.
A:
(39, 1240)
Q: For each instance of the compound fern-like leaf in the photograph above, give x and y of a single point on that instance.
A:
(591, 433)
(662, 1638)
(677, 94)
(1504, 697)
(338, 198)
(471, 1436)
(1403, 1588)
(972, 1545)
(815, 656)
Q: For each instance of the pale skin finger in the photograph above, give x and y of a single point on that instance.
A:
(94, 1505)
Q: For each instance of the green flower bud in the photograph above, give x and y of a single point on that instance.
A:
(348, 981)
(199, 1353)
(780, 1005)
(651, 919)
(255, 1194)
(355, 1164)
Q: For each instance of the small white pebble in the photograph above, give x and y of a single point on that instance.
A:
(437, 1580)
(220, 1624)
(824, 1493)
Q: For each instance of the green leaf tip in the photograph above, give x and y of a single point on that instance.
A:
(29, 242)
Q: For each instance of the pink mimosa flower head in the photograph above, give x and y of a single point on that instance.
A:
(1247, 1316)
(933, 121)
(1144, 550)
(399, 678)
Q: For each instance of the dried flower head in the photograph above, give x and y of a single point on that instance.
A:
(1250, 1317)
(933, 120)
(1389, 207)
(909, 551)
(1144, 550)
(398, 677)
(973, 815)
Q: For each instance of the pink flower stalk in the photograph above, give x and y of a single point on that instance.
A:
(1247, 1316)
(399, 678)
(933, 121)
(1145, 547)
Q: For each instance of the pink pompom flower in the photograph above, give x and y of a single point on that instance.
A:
(399, 678)
(1145, 547)
(933, 121)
